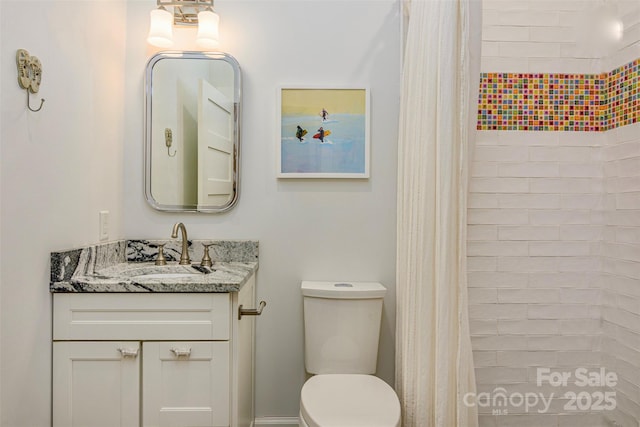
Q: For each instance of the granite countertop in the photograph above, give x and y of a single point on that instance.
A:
(127, 266)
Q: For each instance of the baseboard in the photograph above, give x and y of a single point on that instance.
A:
(276, 421)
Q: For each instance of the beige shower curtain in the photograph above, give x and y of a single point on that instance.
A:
(434, 365)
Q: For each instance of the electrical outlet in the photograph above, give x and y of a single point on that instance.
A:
(104, 225)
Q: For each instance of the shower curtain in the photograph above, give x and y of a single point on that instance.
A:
(434, 365)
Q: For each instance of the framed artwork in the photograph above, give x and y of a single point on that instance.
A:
(323, 133)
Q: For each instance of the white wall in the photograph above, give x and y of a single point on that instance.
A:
(59, 168)
(308, 229)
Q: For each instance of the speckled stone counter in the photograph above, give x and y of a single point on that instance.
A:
(128, 266)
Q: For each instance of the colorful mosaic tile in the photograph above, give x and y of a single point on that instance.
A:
(560, 102)
(623, 96)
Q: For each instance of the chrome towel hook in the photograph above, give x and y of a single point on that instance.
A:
(29, 75)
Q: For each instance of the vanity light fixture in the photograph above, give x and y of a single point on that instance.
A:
(184, 12)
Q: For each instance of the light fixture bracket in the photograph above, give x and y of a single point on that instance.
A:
(185, 12)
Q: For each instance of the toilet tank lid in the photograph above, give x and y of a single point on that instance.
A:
(343, 290)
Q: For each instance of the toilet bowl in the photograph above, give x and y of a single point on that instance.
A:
(348, 400)
(342, 331)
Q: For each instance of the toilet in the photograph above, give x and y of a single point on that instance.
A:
(342, 330)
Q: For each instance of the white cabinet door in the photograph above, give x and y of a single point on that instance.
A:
(96, 384)
(185, 384)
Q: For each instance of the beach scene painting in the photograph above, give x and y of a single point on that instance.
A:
(323, 133)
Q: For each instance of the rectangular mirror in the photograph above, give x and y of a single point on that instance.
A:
(192, 131)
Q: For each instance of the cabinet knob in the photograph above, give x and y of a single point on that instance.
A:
(129, 352)
(181, 352)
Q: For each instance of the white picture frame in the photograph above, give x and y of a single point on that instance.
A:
(323, 132)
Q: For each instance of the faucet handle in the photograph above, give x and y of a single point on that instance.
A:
(206, 259)
(161, 260)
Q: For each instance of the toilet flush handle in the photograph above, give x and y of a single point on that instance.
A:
(251, 311)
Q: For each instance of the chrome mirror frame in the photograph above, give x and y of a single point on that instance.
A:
(237, 102)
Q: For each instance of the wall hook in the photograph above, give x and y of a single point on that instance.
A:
(29, 103)
(29, 75)
(168, 140)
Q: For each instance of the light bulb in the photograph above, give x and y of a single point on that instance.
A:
(160, 28)
(208, 29)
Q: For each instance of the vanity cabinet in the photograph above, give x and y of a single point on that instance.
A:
(153, 359)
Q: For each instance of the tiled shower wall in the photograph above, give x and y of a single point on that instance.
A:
(554, 237)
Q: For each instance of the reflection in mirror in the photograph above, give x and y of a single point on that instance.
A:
(192, 131)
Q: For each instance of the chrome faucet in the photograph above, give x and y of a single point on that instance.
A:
(184, 256)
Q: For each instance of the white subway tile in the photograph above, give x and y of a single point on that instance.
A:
(628, 201)
(528, 420)
(482, 327)
(529, 201)
(497, 216)
(623, 150)
(584, 296)
(578, 358)
(485, 137)
(484, 169)
(579, 264)
(529, 169)
(581, 170)
(490, 48)
(502, 5)
(581, 420)
(528, 327)
(482, 232)
(501, 375)
(484, 358)
(504, 33)
(555, 279)
(509, 342)
(552, 34)
(483, 295)
(499, 185)
(560, 343)
(528, 296)
(500, 153)
(527, 264)
(561, 249)
(530, 18)
(492, 64)
(527, 358)
(529, 50)
(562, 154)
(482, 264)
(508, 232)
(561, 185)
(557, 217)
(522, 138)
(482, 279)
(582, 139)
(557, 311)
(581, 201)
(564, 66)
(629, 167)
(581, 232)
(497, 311)
(482, 200)
(497, 248)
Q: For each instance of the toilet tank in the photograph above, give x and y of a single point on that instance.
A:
(342, 326)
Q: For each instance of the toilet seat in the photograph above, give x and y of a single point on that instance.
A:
(349, 400)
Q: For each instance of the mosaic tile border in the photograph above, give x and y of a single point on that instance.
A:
(560, 102)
